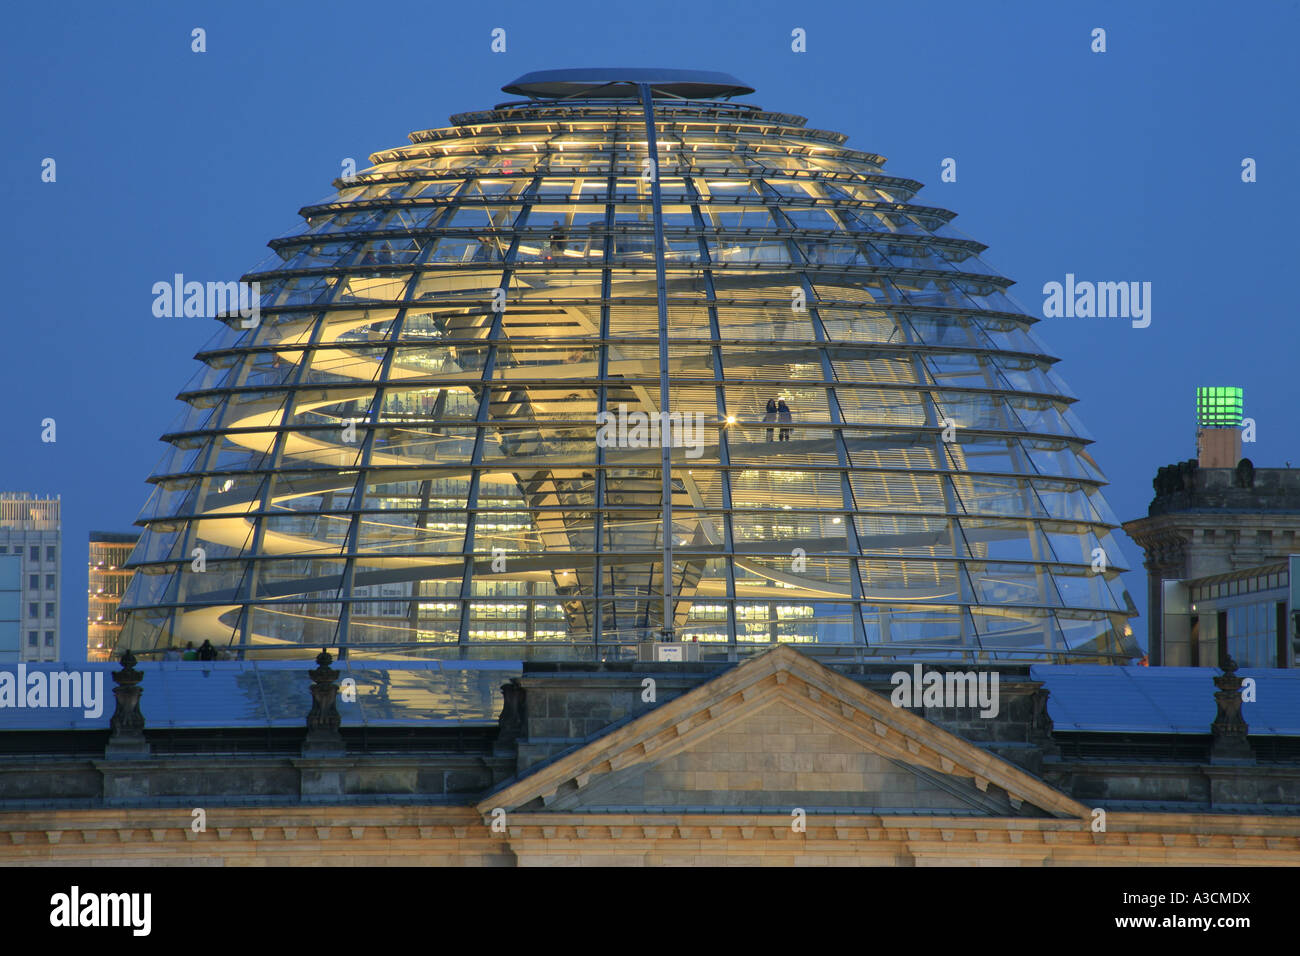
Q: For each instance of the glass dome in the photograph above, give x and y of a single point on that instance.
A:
(509, 373)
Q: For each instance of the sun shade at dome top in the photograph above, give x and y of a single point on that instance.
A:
(622, 82)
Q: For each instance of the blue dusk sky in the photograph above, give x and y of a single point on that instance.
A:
(1117, 166)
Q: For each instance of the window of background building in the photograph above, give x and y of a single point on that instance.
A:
(49, 552)
(31, 638)
(49, 581)
(1223, 639)
(49, 638)
(4, 549)
(33, 582)
(34, 553)
(49, 609)
(1281, 632)
(1250, 637)
(33, 610)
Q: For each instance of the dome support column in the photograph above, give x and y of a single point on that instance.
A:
(496, 334)
(724, 439)
(661, 283)
(601, 619)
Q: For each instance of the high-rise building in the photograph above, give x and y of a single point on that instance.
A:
(30, 540)
(625, 360)
(11, 603)
(107, 582)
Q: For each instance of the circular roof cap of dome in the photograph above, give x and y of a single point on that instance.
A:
(618, 82)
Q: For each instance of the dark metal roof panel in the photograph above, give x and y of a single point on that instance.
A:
(253, 694)
(1162, 700)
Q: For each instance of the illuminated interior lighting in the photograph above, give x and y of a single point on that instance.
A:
(484, 420)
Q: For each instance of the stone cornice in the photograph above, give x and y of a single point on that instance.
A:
(335, 834)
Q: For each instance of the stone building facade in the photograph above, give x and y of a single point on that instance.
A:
(1205, 522)
(779, 760)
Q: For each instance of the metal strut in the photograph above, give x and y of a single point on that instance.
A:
(661, 281)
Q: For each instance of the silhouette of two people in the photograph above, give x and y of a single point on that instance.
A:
(778, 412)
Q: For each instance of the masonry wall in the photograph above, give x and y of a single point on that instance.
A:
(565, 705)
(435, 808)
(231, 780)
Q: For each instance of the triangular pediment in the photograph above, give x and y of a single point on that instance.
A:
(778, 732)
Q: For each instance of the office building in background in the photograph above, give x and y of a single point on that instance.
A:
(106, 582)
(31, 533)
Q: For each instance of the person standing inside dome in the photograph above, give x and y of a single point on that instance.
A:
(785, 418)
(557, 240)
(769, 416)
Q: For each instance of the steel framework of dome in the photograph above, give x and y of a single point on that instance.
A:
(407, 455)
